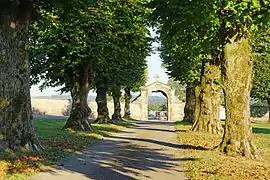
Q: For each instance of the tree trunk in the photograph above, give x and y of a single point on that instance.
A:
(127, 113)
(237, 80)
(207, 112)
(190, 104)
(117, 106)
(103, 112)
(15, 75)
(78, 118)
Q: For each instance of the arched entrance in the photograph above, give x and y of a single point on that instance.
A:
(139, 106)
(157, 106)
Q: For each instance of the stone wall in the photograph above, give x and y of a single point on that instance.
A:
(56, 107)
(258, 113)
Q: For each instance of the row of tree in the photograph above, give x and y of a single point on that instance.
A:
(205, 44)
(77, 45)
(86, 44)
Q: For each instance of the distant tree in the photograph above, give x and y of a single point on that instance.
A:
(158, 106)
(179, 89)
(261, 55)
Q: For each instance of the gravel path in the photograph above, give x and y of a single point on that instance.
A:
(147, 150)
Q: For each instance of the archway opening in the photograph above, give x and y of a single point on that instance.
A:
(158, 106)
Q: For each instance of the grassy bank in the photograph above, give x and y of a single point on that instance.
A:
(210, 164)
(57, 142)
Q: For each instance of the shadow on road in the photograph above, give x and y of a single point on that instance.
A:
(120, 160)
(179, 146)
(128, 157)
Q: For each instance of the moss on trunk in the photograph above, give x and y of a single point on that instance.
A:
(127, 97)
(117, 105)
(207, 111)
(17, 121)
(237, 79)
(102, 109)
(190, 103)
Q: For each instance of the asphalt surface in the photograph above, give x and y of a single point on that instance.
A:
(147, 150)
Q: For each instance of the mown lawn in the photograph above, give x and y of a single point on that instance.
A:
(58, 143)
(211, 164)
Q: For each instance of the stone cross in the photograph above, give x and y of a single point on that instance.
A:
(157, 77)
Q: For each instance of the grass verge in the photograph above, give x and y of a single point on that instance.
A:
(210, 164)
(58, 143)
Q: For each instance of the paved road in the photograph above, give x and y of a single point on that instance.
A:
(147, 150)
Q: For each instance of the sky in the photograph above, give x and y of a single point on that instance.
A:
(154, 68)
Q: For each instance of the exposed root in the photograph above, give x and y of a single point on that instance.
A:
(78, 125)
(243, 147)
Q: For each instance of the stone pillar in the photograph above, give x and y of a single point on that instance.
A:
(144, 105)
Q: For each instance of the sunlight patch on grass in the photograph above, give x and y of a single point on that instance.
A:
(211, 164)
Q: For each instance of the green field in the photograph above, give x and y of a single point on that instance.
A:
(211, 164)
(57, 143)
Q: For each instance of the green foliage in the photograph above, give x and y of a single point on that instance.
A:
(110, 43)
(195, 31)
(179, 89)
(261, 55)
(158, 106)
(62, 47)
(126, 64)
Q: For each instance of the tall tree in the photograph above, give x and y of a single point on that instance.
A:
(211, 27)
(237, 19)
(15, 18)
(192, 59)
(65, 49)
(131, 44)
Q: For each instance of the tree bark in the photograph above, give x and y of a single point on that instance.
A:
(78, 119)
(103, 112)
(116, 117)
(15, 97)
(207, 111)
(190, 103)
(127, 113)
(237, 80)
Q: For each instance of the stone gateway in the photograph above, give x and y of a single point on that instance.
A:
(139, 106)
